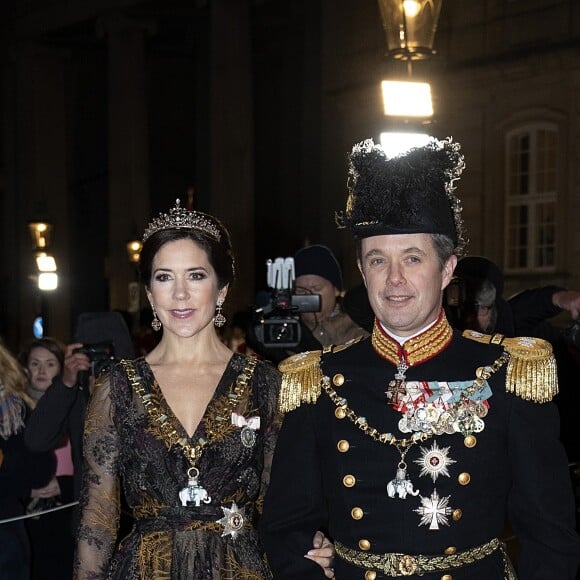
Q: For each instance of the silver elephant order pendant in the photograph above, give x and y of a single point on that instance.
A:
(400, 485)
(194, 493)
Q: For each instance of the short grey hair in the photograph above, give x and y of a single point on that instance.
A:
(443, 245)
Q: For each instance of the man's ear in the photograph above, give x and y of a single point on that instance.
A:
(448, 269)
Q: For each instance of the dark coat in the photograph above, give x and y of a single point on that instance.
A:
(518, 467)
(20, 471)
(59, 412)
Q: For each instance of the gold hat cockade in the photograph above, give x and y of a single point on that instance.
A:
(181, 218)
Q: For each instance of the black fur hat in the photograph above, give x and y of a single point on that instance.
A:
(408, 194)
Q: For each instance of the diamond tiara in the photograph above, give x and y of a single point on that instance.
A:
(181, 218)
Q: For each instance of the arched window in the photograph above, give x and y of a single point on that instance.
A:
(531, 193)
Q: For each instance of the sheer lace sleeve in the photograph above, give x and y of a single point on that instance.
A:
(99, 502)
(269, 379)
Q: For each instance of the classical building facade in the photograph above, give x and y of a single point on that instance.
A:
(111, 110)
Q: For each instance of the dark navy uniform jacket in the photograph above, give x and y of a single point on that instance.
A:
(517, 467)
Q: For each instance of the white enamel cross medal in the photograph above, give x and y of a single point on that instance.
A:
(193, 493)
(396, 390)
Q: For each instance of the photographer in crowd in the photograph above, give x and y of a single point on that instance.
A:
(100, 338)
(318, 272)
(50, 531)
(474, 300)
(298, 326)
(60, 412)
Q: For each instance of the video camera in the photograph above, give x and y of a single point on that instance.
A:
(277, 324)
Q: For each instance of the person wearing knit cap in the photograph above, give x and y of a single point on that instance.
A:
(317, 271)
(412, 446)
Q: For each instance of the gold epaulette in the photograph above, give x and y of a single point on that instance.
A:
(301, 380)
(531, 371)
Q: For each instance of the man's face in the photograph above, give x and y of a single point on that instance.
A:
(404, 280)
(313, 284)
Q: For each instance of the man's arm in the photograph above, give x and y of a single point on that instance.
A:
(533, 306)
(48, 422)
(294, 506)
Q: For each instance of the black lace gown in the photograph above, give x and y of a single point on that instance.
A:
(126, 442)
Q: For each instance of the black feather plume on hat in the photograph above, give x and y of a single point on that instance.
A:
(411, 193)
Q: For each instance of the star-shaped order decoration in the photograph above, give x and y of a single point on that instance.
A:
(233, 520)
(434, 461)
(434, 511)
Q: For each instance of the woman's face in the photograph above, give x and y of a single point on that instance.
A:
(184, 288)
(42, 367)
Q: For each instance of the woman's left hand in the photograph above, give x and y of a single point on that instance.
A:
(322, 553)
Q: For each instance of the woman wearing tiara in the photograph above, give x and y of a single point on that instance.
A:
(189, 429)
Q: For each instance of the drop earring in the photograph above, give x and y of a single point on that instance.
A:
(155, 323)
(219, 319)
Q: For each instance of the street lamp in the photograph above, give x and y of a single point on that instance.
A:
(46, 271)
(134, 248)
(40, 232)
(410, 27)
(47, 277)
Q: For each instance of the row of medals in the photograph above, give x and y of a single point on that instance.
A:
(465, 416)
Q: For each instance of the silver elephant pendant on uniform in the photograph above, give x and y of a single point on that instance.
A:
(193, 493)
(401, 486)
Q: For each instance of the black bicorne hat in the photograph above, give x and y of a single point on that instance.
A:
(408, 194)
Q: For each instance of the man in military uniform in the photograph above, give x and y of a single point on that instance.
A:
(411, 446)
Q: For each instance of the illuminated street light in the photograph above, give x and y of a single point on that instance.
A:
(134, 248)
(45, 263)
(395, 144)
(410, 27)
(407, 99)
(40, 233)
(47, 281)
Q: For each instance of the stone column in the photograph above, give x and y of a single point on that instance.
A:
(128, 148)
(231, 138)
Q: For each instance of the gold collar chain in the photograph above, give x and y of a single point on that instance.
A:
(403, 445)
(343, 410)
(238, 391)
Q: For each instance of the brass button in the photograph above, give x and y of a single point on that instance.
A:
(364, 545)
(349, 480)
(446, 577)
(457, 514)
(338, 380)
(356, 513)
(470, 441)
(464, 478)
(370, 575)
(340, 413)
(343, 445)
(450, 551)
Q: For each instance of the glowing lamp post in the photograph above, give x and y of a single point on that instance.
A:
(410, 27)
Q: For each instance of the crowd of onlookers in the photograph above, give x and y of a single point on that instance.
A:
(41, 435)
